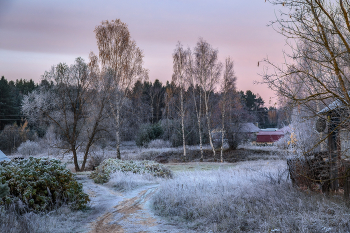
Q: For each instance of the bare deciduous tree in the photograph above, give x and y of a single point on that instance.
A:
(207, 72)
(119, 54)
(180, 61)
(75, 104)
(228, 88)
(318, 33)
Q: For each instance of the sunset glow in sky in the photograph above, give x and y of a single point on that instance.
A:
(36, 34)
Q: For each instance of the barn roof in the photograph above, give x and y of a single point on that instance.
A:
(277, 132)
(3, 157)
(249, 128)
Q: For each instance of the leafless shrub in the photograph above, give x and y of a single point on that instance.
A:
(29, 148)
(95, 160)
(282, 143)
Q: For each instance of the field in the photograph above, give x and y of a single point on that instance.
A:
(250, 193)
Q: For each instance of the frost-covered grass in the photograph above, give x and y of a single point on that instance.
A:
(126, 181)
(247, 199)
(109, 166)
(61, 220)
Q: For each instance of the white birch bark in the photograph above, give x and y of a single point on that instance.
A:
(206, 99)
(183, 123)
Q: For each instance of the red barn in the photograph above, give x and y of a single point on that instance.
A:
(268, 136)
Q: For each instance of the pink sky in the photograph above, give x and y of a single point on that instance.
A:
(36, 34)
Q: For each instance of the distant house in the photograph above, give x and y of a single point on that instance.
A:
(249, 130)
(270, 135)
(3, 157)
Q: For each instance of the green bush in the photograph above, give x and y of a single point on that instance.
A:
(109, 166)
(147, 133)
(41, 184)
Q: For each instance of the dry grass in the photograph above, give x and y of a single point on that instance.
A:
(248, 198)
(61, 220)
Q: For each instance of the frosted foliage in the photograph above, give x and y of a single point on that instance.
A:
(29, 148)
(303, 137)
(36, 102)
(246, 200)
(52, 141)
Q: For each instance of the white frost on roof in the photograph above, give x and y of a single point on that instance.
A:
(3, 157)
(249, 128)
(269, 129)
(336, 104)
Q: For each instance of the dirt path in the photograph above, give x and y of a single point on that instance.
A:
(130, 212)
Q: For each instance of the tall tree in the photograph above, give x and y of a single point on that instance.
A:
(180, 61)
(317, 32)
(228, 88)
(193, 71)
(76, 104)
(208, 73)
(9, 103)
(119, 54)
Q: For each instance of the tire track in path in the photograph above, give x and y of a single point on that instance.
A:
(124, 213)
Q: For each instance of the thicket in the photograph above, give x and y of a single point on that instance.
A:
(40, 184)
(11, 95)
(14, 135)
(147, 133)
(109, 166)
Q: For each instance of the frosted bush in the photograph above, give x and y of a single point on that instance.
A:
(41, 184)
(283, 143)
(125, 181)
(95, 160)
(109, 166)
(159, 143)
(246, 201)
(29, 148)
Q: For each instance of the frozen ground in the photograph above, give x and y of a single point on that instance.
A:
(131, 211)
(123, 212)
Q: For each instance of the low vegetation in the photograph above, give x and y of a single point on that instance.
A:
(107, 167)
(126, 181)
(40, 184)
(60, 220)
(247, 201)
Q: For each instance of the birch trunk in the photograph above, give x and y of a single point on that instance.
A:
(199, 123)
(117, 132)
(182, 123)
(208, 124)
(222, 132)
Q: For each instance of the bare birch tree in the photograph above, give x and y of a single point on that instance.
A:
(119, 53)
(194, 82)
(180, 60)
(228, 88)
(207, 72)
